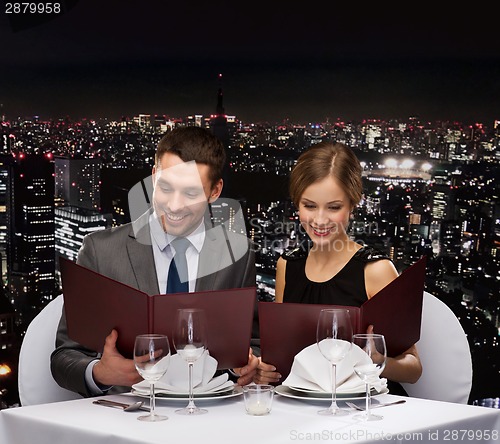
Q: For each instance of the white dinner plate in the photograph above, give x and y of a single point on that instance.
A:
(322, 394)
(227, 387)
(308, 396)
(210, 396)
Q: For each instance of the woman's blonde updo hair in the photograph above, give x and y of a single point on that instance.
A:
(322, 160)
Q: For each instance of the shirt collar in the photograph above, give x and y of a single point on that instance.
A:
(162, 239)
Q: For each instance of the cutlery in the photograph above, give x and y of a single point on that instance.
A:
(357, 407)
(121, 405)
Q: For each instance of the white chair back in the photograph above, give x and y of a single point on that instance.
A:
(35, 382)
(445, 355)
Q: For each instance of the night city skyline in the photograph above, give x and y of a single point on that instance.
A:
(92, 91)
(430, 189)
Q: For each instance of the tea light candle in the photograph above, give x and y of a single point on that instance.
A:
(257, 408)
(258, 399)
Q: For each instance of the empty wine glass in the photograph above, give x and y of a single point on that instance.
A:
(190, 341)
(151, 358)
(334, 336)
(374, 346)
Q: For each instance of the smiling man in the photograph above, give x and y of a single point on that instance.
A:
(186, 178)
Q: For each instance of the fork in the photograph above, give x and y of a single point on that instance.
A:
(357, 407)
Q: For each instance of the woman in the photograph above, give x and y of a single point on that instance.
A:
(326, 186)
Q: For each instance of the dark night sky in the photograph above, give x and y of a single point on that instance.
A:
(306, 62)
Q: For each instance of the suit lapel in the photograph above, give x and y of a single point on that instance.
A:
(210, 257)
(140, 254)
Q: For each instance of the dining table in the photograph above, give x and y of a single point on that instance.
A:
(291, 420)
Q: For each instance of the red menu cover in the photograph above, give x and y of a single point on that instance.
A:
(95, 304)
(395, 311)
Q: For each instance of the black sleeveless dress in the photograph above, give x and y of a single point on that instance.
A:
(347, 287)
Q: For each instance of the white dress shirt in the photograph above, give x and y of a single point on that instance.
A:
(163, 252)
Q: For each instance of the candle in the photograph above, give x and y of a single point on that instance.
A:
(258, 408)
(258, 399)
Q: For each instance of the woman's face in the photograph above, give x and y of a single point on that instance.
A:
(324, 210)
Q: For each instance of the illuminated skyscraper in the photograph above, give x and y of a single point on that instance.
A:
(4, 178)
(450, 238)
(72, 224)
(5, 142)
(218, 121)
(443, 202)
(219, 126)
(5, 137)
(78, 182)
(30, 231)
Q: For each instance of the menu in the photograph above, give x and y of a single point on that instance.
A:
(95, 304)
(395, 311)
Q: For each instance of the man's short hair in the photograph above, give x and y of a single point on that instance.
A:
(194, 143)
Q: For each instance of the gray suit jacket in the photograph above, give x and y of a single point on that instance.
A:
(125, 254)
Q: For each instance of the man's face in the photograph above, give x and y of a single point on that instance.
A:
(181, 191)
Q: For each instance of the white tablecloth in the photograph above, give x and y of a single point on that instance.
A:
(81, 422)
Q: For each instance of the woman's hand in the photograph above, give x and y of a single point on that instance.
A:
(405, 367)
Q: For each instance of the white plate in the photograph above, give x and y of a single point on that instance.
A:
(321, 394)
(227, 387)
(290, 393)
(211, 396)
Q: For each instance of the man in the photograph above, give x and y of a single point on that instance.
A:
(187, 178)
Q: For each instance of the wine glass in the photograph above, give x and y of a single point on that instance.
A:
(190, 341)
(151, 359)
(334, 336)
(374, 346)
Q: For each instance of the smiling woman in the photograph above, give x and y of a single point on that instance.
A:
(326, 186)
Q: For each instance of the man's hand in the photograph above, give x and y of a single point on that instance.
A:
(247, 373)
(257, 371)
(113, 368)
(266, 374)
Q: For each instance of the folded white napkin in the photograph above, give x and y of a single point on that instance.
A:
(176, 379)
(311, 371)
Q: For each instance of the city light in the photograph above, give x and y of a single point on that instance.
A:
(4, 370)
(391, 163)
(407, 164)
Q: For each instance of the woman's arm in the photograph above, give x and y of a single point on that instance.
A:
(405, 367)
(378, 274)
(280, 280)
